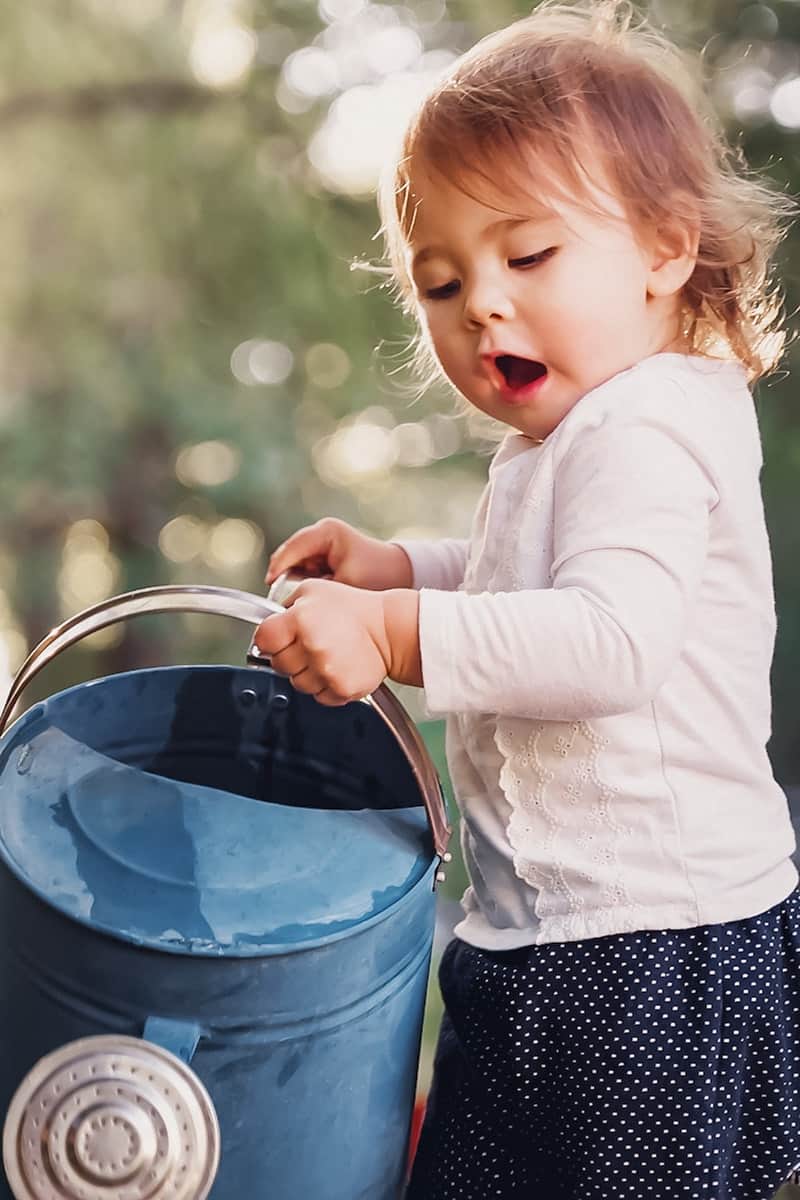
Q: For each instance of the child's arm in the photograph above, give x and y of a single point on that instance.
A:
(438, 564)
(629, 550)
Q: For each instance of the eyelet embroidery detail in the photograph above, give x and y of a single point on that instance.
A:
(562, 830)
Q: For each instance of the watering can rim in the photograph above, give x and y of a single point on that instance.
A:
(244, 606)
(210, 953)
(17, 734)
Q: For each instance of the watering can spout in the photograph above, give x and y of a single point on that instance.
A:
(106, 1113)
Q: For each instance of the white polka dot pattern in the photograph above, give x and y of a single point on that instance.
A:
(631, 1067)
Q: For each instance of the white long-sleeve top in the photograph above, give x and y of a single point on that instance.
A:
(602, 645)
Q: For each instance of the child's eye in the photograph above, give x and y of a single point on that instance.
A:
(444, 292)
(533, 260)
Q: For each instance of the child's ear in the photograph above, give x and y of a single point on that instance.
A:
(673, 255)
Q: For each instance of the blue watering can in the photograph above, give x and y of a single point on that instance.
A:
(216, 914)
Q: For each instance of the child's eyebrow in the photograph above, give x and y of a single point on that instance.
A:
(426, 252)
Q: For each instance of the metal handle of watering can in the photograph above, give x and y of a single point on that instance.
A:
(242, 606)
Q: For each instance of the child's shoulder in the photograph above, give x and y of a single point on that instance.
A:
(691, 398)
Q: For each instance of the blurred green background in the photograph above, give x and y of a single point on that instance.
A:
(189, 366)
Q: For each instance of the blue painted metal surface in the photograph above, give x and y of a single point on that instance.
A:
(203, 857)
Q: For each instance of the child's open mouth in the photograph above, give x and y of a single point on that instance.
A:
(518, 373)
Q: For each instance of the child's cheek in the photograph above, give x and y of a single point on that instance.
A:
(426, 335)
(433, 334)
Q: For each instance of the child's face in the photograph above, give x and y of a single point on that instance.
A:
(526, 316)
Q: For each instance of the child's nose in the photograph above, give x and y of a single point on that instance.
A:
(486, 301)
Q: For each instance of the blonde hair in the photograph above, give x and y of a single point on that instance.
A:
(590, 75)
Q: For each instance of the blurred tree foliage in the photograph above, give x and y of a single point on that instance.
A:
(156, 217)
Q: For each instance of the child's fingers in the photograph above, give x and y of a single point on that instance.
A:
(275, 634)
(306, 568)
(308, 546)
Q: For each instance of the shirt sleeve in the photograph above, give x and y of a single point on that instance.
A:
(437, 564)
(632, 506)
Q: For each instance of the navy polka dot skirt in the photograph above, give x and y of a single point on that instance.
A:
(641, 1066)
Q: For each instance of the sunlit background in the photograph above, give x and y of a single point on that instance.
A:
(190, 367)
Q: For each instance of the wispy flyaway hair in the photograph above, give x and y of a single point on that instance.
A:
(521, 112)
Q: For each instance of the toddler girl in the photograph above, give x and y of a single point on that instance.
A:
(588, 267)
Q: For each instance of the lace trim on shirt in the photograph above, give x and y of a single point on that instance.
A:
(562, 830)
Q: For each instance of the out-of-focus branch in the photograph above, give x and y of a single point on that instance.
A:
(91, 102)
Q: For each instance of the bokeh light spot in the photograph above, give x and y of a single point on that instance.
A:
(394, 49)
(221, 55)
(87, 534)
(254, 362)
(357, 450)
(327, 365)
(311, 72)
(182, 539)
(414, 444)
(207, 464)
(233, 543)
(89, 570)
(340, 10)
(785, 103)
(363, 129)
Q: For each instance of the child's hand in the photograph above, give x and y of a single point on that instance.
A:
(338, 643)
(333, 549)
